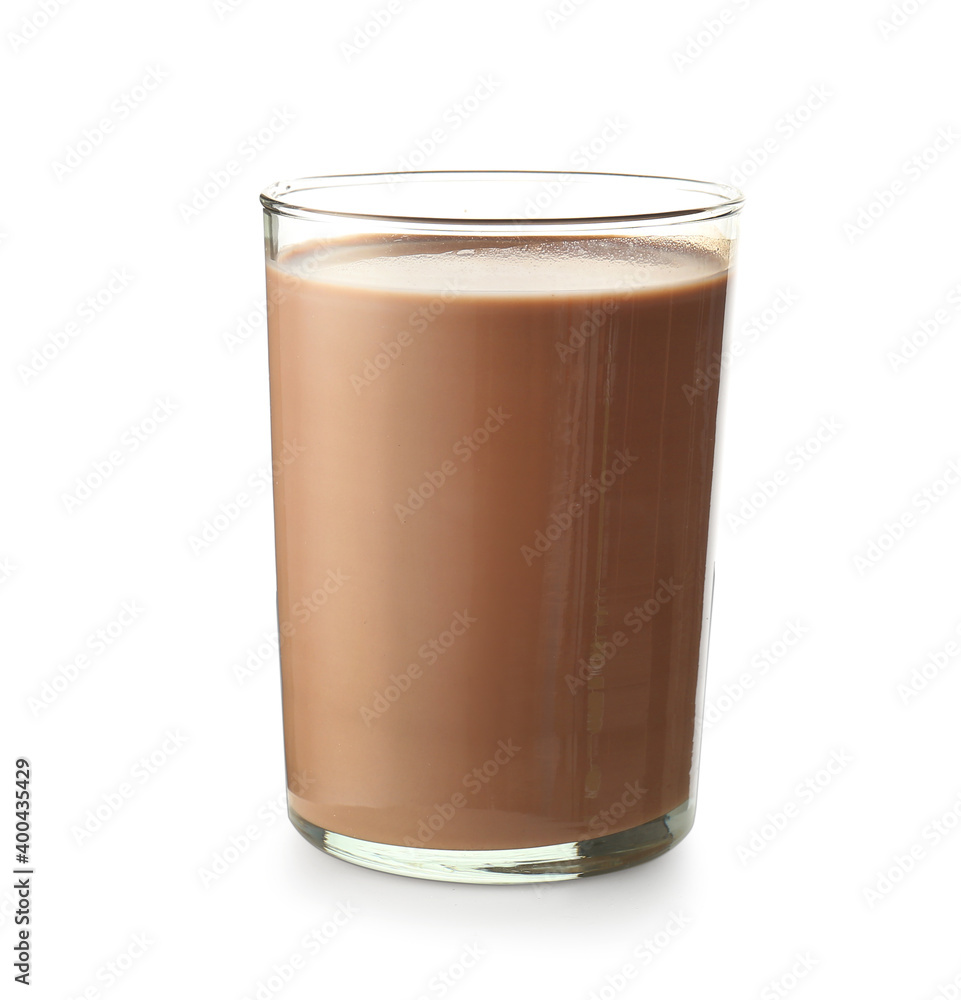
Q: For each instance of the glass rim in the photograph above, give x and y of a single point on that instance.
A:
(279, 198)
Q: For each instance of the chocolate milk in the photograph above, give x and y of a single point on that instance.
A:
(492, 541)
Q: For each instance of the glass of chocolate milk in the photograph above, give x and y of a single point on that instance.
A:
(494, 402)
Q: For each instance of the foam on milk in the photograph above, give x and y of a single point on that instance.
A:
(537, 266)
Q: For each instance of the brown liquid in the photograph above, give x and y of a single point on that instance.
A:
(438, 688)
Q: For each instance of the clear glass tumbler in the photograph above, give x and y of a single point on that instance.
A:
(494, 403)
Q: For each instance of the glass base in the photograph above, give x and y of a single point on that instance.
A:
(526, 864)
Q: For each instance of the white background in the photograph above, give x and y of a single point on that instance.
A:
(836, 100)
